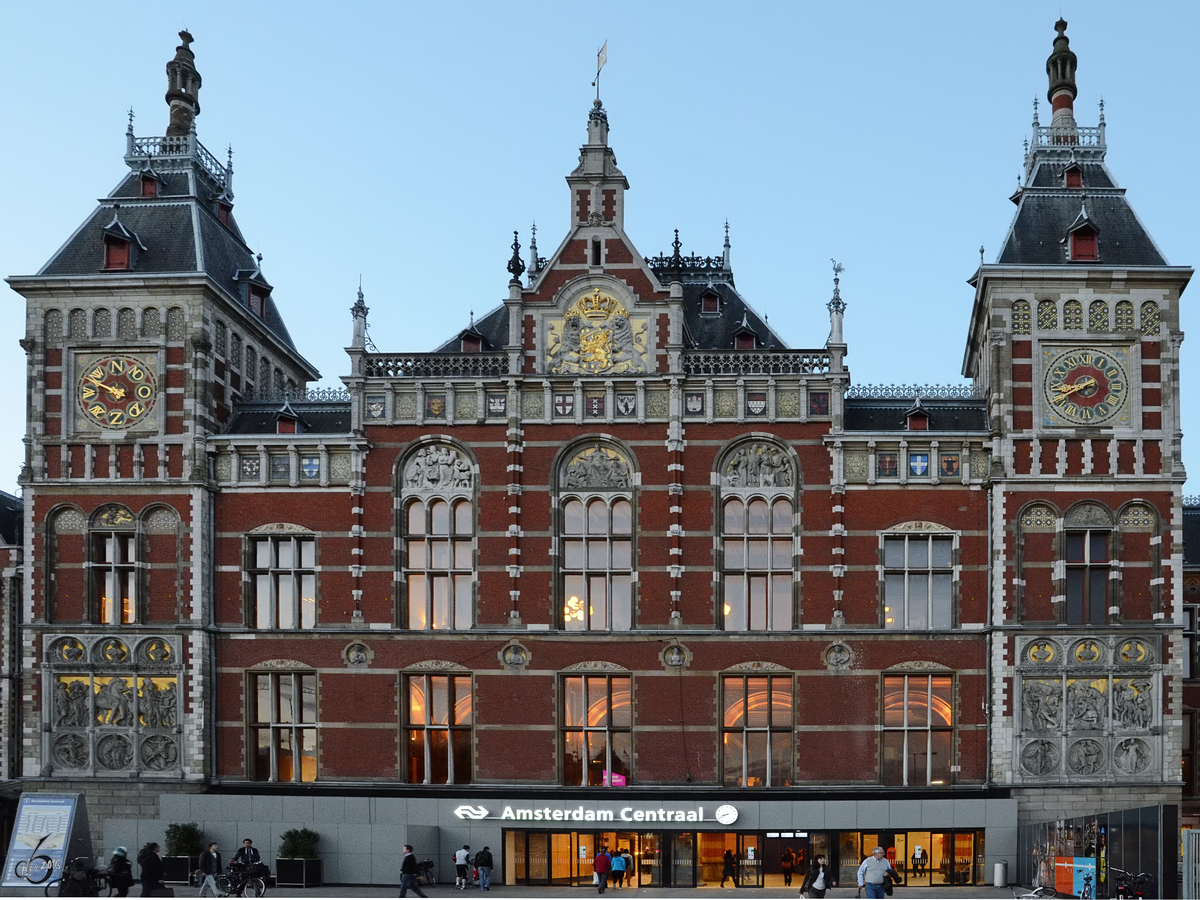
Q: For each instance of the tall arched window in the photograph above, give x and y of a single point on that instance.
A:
(757, 538)
(596, 540)
(439, 539)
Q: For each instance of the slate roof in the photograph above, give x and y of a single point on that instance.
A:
(260, 418)
(11, 519)
(700, 332)
(164, 225)
(1046, 211)
(1191, 536)
(889, 415)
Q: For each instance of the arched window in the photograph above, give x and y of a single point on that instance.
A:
(1022, 318)
(54, 326)
(438, 555)
(596, 528)
(114, 555)
(1124, 316)
(918, 577)
(77, 324)
(282, 564)
(756, 730)
(235, 350)
(597, 729)
(102, 323)
(1047, 315)
(757, 538)
(1098, 316)
(1088, 558)
(918, 726)
(1073, 315)
(151, 322)
(220, 336)
(264, 376)
(127, 325)
(1151, 318)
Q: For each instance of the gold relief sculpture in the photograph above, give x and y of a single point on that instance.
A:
(1134, 651)
(1087, 652)
(596, 335)
(1041, 652)
(114, 516)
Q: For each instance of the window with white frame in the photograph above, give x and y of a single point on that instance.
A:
(918, 723)
(1087, 570)
(756, 730)
(918, 581)
(283, 726)
(284, 581)
(597, 738)
(440, 713)
(114, 564)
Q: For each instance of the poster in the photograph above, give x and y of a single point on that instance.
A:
(39, 840)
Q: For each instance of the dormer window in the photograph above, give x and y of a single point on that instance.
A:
(223, 212)
(149, 186)
(1073, 177)
(471, 343)
(1084, 245)
(710, 304)
(258, 301)
(743, 342)
(116, 253)
(918, 421)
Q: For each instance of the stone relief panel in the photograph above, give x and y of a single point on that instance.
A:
(757, 465)
(533, 405)
(596, 336)
(658, 404)
(1040, 517)
(856, 465)
(1040, 758)
(438, 468)
(406, 406)
(725, 404)
(1041, 705)
(597, 468)
(464, 405)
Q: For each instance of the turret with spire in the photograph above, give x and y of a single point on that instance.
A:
(597, 185)
(183, 88)
(1060, 68)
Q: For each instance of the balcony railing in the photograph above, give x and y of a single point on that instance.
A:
(436, 365)
(1069, 136)
(183, 145)
(750, 362)
(912, 391)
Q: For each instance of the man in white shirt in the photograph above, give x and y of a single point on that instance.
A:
(462, 867)
(873, 873)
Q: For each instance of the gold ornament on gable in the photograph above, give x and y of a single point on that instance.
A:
(596, 335)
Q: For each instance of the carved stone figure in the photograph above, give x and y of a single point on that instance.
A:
(564, 355)
(1041, 706)
(114, 752)
(156, 652)
(159, 752)
(758, 466)
(1040, 757)
(1131, 756)
(70, 650)
(1132, 703)
(597, 468)
(158, 705)
(838, 656)
(437, 468)
(357, 655)
(1086, 708)
(114, 703)
(71, 704)
(1086, 757)
(71, 751)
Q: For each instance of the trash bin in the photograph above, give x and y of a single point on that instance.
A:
(1000, 878)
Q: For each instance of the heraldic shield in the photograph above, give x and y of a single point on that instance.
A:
(596, 336)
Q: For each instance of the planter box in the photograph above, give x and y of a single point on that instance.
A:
(304, 873)
(179, 869)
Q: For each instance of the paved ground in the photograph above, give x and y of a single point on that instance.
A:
(505, 892)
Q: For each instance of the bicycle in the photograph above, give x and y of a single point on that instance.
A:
(238, 882)
(1130, 886)
(425, 873)
(83, 881)
(1037, 893)
(38, 867)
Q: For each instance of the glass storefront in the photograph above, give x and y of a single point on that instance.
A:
(924, 859)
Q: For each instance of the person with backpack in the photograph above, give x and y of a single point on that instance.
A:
(483, 862)
(152, 871)
(618, 869)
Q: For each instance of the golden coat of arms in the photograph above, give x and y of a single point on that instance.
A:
(596, 335)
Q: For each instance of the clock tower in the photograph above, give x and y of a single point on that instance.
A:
(141, 332)
(1075, 341)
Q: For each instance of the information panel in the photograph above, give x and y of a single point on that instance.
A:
(41, 836)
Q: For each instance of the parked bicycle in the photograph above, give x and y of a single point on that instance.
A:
(1130, 886)
(241, 881)
(1037, 893)
(425, 872)
(83, 880)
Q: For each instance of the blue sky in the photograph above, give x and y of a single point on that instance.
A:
(405, 142)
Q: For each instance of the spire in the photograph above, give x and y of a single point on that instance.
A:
(836, 305)
(726, 260)
(1060, 68)
(597, 185)
(516, 265)
(183, 89)
(534, 266)
(359, 311)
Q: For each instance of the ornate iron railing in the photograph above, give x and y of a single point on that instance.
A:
(912, 391)
(299, 395)
(1192, 501)
(1060, 136)
(436, 365)
(180, 145)
(749, 362)
(691, 263)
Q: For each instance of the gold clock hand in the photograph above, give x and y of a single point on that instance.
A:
(1078, 386)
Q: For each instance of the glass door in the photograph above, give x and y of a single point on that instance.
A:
(749, 857)
(919, 868)
(683, 859)
(562, 867)
(538, 865)
(647, 860)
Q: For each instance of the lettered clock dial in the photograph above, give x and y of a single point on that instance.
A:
(117, 391)
(1086, 386)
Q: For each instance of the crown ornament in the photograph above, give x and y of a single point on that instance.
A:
(598, 306)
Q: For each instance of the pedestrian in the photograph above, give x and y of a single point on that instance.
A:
(462, 874)
(819, 879)
(247, 856)
(873, 873)
(729, 869)
(210, 868)
(618, 869)
(629, 870)
(483, 862)
(787, 863)
(120, 872)
(152, 871)
(409, 874)
(602, 865)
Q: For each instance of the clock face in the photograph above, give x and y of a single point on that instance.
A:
(117, 391)
(726, 815)
(1086, 386)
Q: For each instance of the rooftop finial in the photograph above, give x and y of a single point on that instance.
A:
(472, 325)
(981, 254)
(601, 59)
(516, 265)
(725, 255)
(183, 88)
(1060, 69)
(836, 303)
(129, 128)
(676, 258)
(1101, 110)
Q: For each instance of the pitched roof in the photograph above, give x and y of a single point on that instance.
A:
(260, 417)
(891, 415)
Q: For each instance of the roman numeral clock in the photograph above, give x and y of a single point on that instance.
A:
(117, 392)
(1086, 386)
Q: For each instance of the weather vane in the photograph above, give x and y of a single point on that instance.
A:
(601, 59)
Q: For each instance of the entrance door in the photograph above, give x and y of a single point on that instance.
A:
(538, 859)
(647, 860)
(750, 859)
(683, 859)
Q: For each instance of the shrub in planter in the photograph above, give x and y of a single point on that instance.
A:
(185, 843)
(297, 864)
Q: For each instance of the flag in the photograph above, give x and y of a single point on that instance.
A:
(601, 57)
